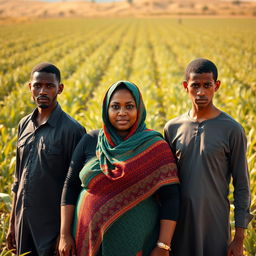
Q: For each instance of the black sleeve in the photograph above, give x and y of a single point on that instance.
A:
(83, 152)
(170, 202)
(15, 185)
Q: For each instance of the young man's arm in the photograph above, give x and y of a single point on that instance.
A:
(239, 171)
(236, 246)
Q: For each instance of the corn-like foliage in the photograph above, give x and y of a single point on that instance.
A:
(153, 53)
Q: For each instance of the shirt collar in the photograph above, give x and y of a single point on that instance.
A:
(53, 118)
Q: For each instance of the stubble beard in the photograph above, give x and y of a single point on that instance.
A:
(43, 106)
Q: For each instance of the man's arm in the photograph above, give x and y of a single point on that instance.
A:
(236, 246)
(239, 171)
(10, 238)
(73, 136)
(240, 175)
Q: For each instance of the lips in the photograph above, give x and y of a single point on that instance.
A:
(122, 122)
(42, 99)
(201, 101)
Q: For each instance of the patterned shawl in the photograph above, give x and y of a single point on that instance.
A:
(125, 172)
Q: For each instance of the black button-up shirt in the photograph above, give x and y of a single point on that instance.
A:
(43, 157)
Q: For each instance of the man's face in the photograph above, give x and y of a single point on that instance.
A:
(201, 89)
(45, 88)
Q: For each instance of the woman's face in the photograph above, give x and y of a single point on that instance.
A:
(122, 111)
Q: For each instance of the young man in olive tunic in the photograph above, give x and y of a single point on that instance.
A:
(46, 140)
(210, 147)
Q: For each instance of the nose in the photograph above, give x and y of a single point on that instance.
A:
(42, 91)
(200, 91)
(122, 111)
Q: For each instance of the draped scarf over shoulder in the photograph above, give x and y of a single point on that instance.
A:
(125, 172)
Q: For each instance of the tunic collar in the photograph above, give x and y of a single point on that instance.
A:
(187, 116)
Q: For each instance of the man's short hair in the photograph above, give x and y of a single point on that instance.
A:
(200, 66)
(48, 68)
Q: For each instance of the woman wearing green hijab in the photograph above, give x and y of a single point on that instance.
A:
(129, 201)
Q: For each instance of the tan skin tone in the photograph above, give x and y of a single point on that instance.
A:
(44, 89)
(122, 114)
(201, 89)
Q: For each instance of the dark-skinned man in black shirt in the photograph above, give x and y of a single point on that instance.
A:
(46, 140)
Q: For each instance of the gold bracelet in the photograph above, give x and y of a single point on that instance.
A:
(163, 246)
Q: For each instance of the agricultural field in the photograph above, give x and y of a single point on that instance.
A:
(153, 53)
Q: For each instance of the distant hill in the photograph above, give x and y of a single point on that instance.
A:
(24, 9)
(97, 1)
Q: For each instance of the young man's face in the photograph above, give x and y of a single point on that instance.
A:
(201, 89)
(45, 88)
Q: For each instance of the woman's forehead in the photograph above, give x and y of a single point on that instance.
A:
(122, 95)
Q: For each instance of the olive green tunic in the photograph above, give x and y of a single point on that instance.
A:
(208, 155)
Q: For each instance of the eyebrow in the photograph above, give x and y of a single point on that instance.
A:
(117, 102)
(39, 82)
(197, 82)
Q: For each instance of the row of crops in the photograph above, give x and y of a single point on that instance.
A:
(153, 53)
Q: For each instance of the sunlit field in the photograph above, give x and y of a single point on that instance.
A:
(153, 53)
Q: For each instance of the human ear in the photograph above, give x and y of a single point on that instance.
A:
(61, 87)
(217, 85)
(185, 85)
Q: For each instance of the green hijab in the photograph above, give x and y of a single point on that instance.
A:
(112, 150)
